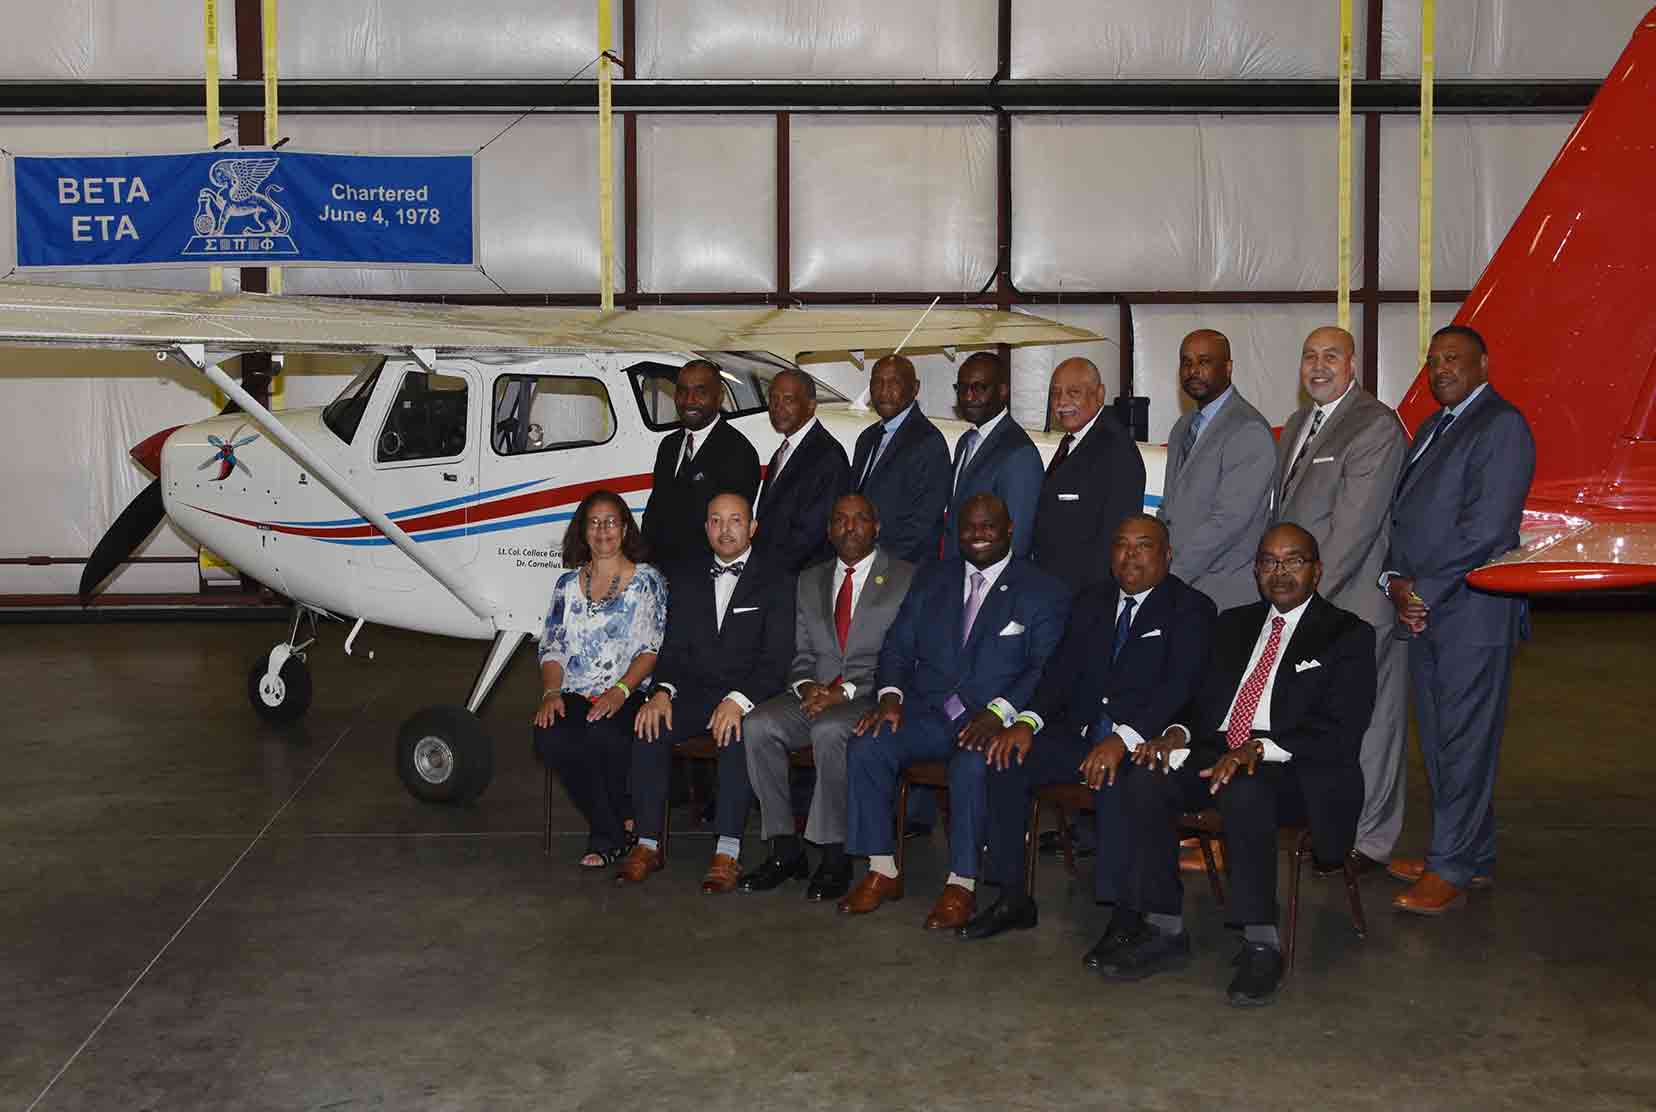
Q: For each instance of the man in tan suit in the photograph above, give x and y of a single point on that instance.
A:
(1337, 466)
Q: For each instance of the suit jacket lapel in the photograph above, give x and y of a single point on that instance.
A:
(997, 601)
(986, 445)
(1434, 451)
(873, 592)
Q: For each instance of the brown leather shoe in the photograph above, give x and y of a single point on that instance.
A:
(872, 891)
(1411, 869)
(1191, 861)
(1430, 895)
(952, 910)
(640, 863)
(722, 875)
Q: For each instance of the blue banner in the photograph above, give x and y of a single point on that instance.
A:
(245, 207)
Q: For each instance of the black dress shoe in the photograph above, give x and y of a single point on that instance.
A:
(1125, 929)
(831, 882)
(1009, 913)
(773, 873)
(1259, 972)
(1153, 953)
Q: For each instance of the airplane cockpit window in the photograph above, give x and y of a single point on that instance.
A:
(427, 419)
(747, 377)
(344, 413)
(543, 413)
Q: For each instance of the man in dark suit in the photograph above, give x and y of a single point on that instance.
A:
(1221, 457)
(967, 648)
(1132, 658)
(707, 456)
(1458, 505)
(1273, 739)
(843, 610)
(994, 456)
(902, 464)
(730, 628)
(808, 471)
(1095, 480)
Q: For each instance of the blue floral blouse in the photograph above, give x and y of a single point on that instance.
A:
(596, 645)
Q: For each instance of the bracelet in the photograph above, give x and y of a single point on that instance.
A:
(550, 691)
(625, 690)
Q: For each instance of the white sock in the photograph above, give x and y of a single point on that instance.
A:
(965, 882)
(650, 843)
(730, 847)
(884, 864)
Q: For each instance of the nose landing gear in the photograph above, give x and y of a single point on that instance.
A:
(279, 683)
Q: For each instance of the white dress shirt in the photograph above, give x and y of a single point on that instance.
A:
(1129, 736)
(860, 572)
(990, 574)
(1262, 713)
(700, 437)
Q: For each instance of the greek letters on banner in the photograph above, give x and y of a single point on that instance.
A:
(248, 206)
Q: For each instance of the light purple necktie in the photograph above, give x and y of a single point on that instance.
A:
(973, 602)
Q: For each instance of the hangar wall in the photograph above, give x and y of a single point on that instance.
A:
(1237, 211)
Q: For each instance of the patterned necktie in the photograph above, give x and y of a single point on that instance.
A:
(728, 569)
(973, 602)
(1062, 453)
(1316, 423)
(777, 460)
(968, 445)
(842, 610)
(689, 451)
(1437, 435)
(873, 457)
(1247, 700)
(1124, 625)
(1193, 432)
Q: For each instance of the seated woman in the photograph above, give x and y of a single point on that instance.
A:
(603, 629)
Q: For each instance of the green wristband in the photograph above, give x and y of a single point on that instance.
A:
(625, 690)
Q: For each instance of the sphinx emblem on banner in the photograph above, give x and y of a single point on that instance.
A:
(238, 215)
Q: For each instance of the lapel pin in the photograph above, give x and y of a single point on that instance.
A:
(879, 580)
(1003, 586)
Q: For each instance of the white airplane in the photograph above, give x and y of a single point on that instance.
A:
(432, 494)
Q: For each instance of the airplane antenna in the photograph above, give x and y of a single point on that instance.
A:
(899, 349)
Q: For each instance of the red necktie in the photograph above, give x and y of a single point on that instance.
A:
(1247, 700)
(1062, 453)
(842, 610)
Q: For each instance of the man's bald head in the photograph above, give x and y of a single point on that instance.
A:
(1075, 395)
(982, 387)
(1328, 363)
(985, 530)
(1205, 365)
(892, 385)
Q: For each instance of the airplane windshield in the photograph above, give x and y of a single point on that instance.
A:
(747, 377)
(344, 413)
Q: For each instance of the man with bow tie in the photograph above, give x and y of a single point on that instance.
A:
(730, 631)
(1133, 655)
(1272, 740)
(967, 648)
(1458, 505)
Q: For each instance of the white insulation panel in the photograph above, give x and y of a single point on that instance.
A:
(892, 202)
(1102, 39)
(790, 39)
(1484, 169)
(1178, 203)
(110, 40)
(1511, 38)
(1265, 348)
(707, 203)
(547, 40)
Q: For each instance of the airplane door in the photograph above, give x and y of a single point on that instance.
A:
(425, 465)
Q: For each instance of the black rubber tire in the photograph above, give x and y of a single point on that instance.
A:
(470, 763)
(296, 694)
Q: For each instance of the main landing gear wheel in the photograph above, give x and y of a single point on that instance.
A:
(444, 755)
(283, 697)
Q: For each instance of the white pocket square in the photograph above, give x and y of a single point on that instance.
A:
(1323, 459)
(1069, 498)
(744, 609)
(1151, 633)
(1307, 665)
(1012, 629)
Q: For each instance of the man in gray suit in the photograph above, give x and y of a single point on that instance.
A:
(1337, 466)
(1221, 457)
(1458, 506)
(845, 606)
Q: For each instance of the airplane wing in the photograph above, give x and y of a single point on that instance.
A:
(34, 315)
(1562, 553)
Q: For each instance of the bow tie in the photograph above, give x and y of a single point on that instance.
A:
(727, 569)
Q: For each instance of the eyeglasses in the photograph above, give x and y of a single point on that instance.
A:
(603, 523)
(1293, 565)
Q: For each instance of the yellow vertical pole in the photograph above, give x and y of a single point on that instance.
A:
(1343, 298)
(210, 14)
(272, 120)
(606, 168)
(1428, 68)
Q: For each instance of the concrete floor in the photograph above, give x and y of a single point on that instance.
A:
(203, 912)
